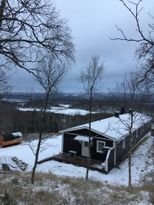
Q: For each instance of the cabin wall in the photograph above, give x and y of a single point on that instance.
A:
(100, 156)
(120, 151)
(69, 144)
(137, 136)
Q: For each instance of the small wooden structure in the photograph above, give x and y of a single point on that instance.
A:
(10, 139)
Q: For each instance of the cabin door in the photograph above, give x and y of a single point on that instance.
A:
(85, 149)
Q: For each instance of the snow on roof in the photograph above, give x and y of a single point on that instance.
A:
(17, 134)
(113, 127)
(82, 138)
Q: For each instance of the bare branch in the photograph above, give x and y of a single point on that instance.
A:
(29, 26)
(145, 51)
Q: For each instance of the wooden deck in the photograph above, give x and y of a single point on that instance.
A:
(76, 160)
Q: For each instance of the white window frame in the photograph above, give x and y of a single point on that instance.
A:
(123, 144)
(97, 146)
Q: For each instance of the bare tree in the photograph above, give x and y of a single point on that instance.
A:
(130, 123)
(27, 26)
(49, 74)
(145, 41)
(129, 92)
(129, 126)
(90, 78)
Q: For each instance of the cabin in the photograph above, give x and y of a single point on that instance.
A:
(10, 139)
(110, 141)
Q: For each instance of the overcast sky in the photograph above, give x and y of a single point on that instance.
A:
(92, 23)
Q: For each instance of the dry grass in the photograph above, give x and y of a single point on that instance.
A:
(15, 188)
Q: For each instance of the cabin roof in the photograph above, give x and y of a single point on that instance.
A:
(114, 128)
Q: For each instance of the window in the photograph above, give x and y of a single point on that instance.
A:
(123, 144)
(100, 146)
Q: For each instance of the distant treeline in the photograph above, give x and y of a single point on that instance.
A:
(12, 120)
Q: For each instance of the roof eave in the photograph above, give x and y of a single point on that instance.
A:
(93, 130)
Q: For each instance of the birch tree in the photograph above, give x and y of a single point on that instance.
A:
(49, 74)
(90, 78)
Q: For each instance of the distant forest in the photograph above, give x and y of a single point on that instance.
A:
(12, 119)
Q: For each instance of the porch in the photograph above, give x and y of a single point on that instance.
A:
(78, 161)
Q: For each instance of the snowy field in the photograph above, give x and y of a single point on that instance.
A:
(59, 110)
(141, 163)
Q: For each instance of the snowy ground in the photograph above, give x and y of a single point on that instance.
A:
(141, 163)
(59, 110)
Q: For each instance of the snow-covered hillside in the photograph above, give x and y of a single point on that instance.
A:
(143, 162)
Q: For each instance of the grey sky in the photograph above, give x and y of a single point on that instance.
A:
(92, 23)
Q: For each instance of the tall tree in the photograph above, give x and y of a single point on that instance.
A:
(27, 26)
(49, 74)
(130, 123)
(90, 78)
(145, 41)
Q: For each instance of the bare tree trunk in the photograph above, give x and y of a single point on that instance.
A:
(131, 145)
(130, 127)
(90, 78)
(129, 171)
(87, 174)
(90, 115)
(40, 138)
(36, 158)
